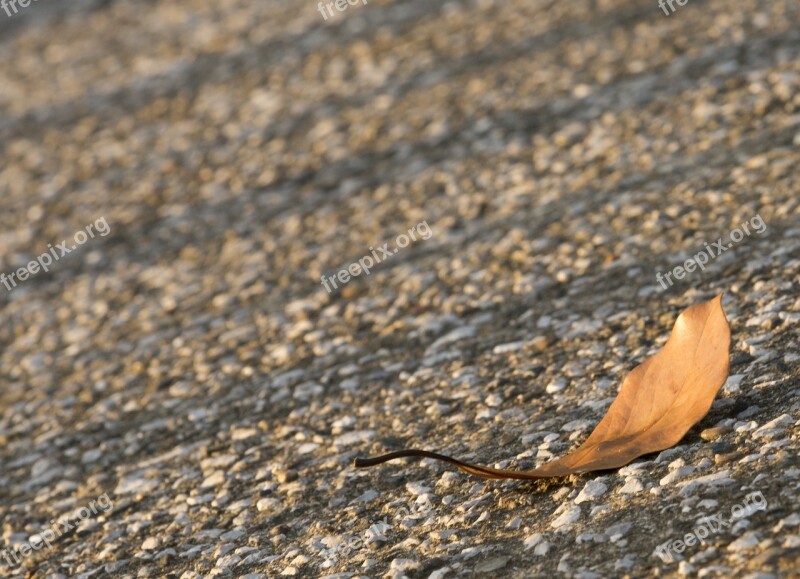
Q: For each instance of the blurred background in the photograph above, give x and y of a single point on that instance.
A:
(191, 365)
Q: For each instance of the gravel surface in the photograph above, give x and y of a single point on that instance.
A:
(181, 397)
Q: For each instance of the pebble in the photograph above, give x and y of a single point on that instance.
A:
(592, 490)
(135, 484)
(618, 531)
(284, 476)
(627, 562)
(452, 337)
(533, 540)
(494, 400)
(404, 565)
(214, 480)
(509, 347)
(677, 474)
(789, 522)
(715, 432)
(746, 542)
(514, 523)
(268, 505)
(733, 383)
(354, 438)
(775, 427)
(632, 486)
(233, 535)
(556, 386)
(151, 543)
(417, 488)
(492, 564)
(567, 517)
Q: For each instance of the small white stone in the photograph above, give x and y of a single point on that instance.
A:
(493, 400)
(591, 491)
(214, 480)
(244, 433)
(744, 426)
(151, 543)
(704, 463)
(492, 564)
(344, 422)
(626, 562)
(440, 573)
(367, 497)
(685, 568)
(353, 438)
(774, 427)
(403, 565)
(233, 535)
(616, 532)
(448, 479)
(569, 516)
(442, 535)
(577, 425)
(707, 504)
(664, 455)
(268, 504)
(456, 335)
(732, 383)
(790, 521)
(509, 347)
(791, 542)
(676, 474)
(677, 463)
(533, 540)
(514, 523)
(417, 488)
(425, 501)
(632, 486)
(135, 483)
(91, 456)
(556, 385)
(307, 448)
(745, 542)
(200, 499)
(633, 468)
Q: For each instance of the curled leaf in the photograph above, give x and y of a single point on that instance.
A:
(660, 400)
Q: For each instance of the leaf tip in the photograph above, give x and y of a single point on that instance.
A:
(718, 301)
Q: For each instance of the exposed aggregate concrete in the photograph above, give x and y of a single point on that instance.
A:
(191, 365)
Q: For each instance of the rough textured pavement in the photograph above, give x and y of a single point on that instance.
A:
(189, 370)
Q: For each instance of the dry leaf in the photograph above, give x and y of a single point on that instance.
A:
(660, 400)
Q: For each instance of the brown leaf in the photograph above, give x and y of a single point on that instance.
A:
(660, 400)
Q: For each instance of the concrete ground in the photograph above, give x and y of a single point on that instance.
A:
(180, 396)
